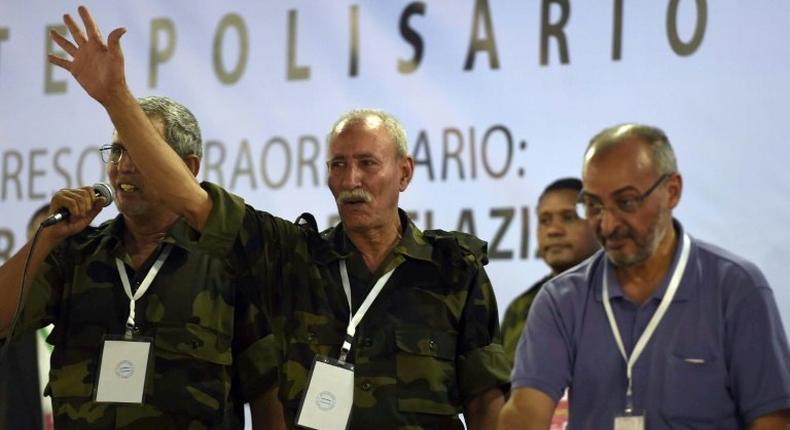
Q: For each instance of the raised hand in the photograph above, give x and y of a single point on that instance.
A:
(98, 67)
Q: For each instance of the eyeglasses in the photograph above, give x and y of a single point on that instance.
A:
(592, 208)
(112, 153)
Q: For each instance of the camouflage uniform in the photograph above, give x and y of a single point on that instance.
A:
(212, 348)
(424, 348)
(516, 316)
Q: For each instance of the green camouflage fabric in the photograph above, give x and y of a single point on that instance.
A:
(425, 347)
(516, 317)
(212, 348)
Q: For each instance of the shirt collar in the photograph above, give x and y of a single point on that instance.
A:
(684, 290)
(110, 235)
(412, 243)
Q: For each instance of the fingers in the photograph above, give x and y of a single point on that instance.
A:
(75, 30)
(78, 201)
(61, 62)
(97, 207)
(114, 39)
(63, 42)
(90, 23)
(99, 203)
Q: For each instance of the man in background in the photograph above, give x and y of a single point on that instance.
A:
(564, 240)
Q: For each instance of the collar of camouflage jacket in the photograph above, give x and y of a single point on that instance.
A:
(412, 243)
(110, 235)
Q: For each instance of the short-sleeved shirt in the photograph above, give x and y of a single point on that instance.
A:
(212, 349)
(425, 346)
(719, 358)
(515, 317)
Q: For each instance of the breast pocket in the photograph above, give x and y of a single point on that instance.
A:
(313, 335)
(695, 389)
(425, 365)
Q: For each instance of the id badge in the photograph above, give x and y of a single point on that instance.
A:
(632, 421)
(123, 370)
(327, 401)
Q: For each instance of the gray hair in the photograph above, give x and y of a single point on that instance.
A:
(664, 161)
(182, 131)
(373, 119)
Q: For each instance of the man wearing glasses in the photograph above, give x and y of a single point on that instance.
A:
(658, 330)
(148, 331)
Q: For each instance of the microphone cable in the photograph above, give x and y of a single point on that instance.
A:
(9, 337)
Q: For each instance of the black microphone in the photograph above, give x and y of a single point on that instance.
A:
(100, 189)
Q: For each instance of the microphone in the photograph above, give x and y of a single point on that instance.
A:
(100, 189)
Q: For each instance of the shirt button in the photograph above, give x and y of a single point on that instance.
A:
(366, 386)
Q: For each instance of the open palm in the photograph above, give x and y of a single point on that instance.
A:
(98, 67)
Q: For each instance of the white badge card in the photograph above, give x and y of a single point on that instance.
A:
(122, 371)
(327, 402)
(629, 422)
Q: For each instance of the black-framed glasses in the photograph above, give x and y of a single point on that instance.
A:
(627, 202)
(112, 153)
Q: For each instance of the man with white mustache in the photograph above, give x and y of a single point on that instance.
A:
(658, 330)
(420, 347)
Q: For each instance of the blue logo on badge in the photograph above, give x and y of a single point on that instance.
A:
(125, 369)
(325, 400)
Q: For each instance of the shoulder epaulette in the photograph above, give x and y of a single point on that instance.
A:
(307, 221)
(466, 244)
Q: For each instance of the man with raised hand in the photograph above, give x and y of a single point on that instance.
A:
(420, 347)
(659, 330)
(150, 328)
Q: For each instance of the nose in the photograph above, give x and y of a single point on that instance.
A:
(608, 222)
(555, 229)
(125, 163)
(351, 177)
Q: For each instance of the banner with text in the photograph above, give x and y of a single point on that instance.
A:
(499, 98)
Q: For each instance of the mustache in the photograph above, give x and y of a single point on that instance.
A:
(620, 233)
(355, 195)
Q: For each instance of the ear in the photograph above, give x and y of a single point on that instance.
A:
(193, 163)
(407, 171)
(675, 189)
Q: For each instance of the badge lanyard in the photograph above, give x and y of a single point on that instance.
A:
(329, 396)
(355, 318)
(149, 278)
(674, 283)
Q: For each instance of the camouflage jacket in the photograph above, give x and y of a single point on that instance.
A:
(210, 344)
(516, 316)
(427, 344)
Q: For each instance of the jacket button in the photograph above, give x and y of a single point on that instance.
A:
(310, 336)
(367, 342)
(432, 344)
(366, 386)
